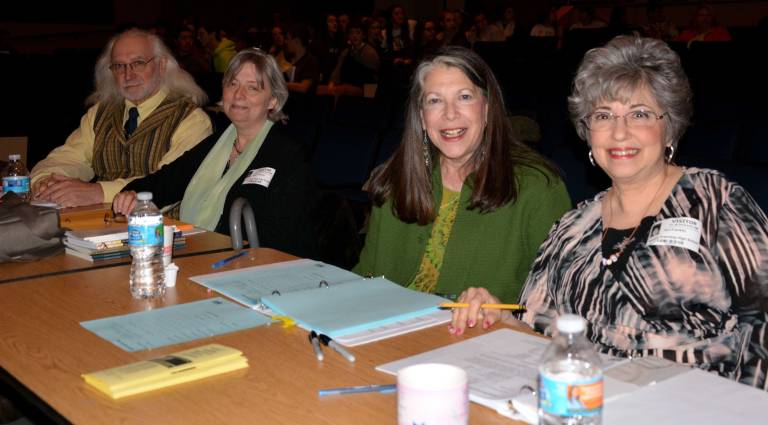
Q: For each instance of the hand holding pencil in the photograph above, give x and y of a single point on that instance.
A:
(477, 305)
(512, 307)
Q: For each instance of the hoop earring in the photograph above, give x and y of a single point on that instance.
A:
(670, 155)
(425, 150)
(591, 158)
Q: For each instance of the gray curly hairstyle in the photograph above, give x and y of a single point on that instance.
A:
(613, 72)
(266, 66)
(178, 82)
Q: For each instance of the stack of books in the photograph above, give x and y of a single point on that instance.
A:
(106, 244)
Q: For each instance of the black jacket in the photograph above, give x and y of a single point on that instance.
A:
(283, 211)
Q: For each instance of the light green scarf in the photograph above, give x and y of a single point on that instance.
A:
(203, 201)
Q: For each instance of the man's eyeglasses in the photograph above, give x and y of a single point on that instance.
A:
(605, 121)
(135, 66)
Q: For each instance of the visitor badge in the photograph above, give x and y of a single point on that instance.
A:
(684, 232)
(261, 176)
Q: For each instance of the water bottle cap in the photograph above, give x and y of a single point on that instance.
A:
(570, 323)
(144, 196)
(14, 157)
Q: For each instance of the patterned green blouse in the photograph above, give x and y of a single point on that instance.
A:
(429, 270)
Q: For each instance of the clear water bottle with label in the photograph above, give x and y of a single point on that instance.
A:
(145, 237)
(16, 177)
(570, 377)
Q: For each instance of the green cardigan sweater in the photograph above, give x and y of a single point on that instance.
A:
(493, 250)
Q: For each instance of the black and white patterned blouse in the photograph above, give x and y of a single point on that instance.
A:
(708, 308)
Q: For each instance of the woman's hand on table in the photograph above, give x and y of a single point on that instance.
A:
(473, 315)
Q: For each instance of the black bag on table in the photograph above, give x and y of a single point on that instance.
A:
(28, 232)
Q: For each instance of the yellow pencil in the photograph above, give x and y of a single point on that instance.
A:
(496, 306)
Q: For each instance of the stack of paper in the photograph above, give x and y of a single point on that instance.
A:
(98, 238)
(184, 366)
(105, 244)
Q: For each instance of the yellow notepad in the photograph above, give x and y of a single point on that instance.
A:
(176, 368)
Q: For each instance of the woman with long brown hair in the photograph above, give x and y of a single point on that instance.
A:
(461, 203)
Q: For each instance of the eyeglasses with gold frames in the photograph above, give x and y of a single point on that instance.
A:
(605, 120)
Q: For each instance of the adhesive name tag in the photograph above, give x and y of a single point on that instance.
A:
(684, 232)
(261, 176)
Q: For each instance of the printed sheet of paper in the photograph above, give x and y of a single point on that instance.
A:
(499, 363)
(175, 324)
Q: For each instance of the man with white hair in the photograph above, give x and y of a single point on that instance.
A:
(145, 113)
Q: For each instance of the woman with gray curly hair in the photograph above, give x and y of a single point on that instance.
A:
(253, 158)
(669, 261)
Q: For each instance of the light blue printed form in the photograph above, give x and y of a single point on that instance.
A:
(175, 324)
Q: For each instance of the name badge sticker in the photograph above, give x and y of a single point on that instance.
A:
(684, 232)
(261, 176)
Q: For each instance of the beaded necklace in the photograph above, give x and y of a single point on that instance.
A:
(621, 246)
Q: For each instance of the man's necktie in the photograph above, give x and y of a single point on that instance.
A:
(132, 122)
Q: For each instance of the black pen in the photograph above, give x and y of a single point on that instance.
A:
(316, 345)
(326, 340)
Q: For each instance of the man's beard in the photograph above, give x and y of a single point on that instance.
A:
(147, 90)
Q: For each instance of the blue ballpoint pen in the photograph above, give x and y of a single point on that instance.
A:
(220, 263)
(384, 389)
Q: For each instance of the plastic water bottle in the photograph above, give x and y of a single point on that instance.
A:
(145, 237)
(570, 377)
(16, 177)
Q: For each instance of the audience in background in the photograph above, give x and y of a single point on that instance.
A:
(375, 37)
(585, 18)
(658, 25)
(221, 48)
(704, 27)
(191, 58)
(277, 49)
(343, 20)
(358, 64)
(327, 45)
(304, 69)
(482, 30)
(507, 22)
(397, 36)
(426, 42)
(545, 24)
(145, 114)
(451, 34)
